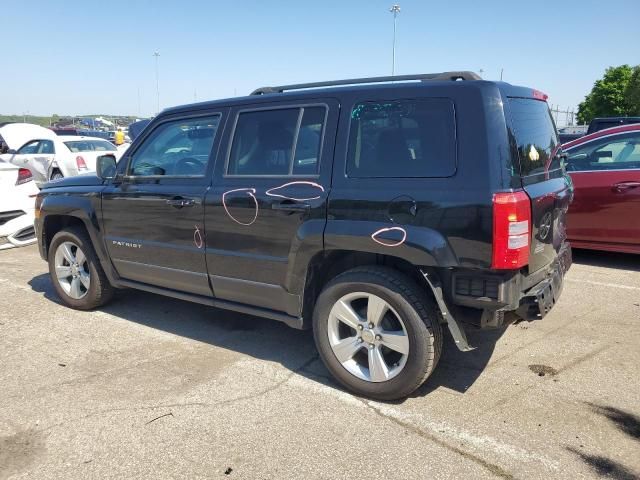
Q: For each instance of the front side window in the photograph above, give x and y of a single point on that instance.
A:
(620, 153)
(176, 148)
(29, 148)
(403, 138)
(278, 142)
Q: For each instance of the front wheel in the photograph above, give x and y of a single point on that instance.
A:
(76, 273)
(377, 332)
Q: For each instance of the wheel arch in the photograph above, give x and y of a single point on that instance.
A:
(62, 211)
(328, 264)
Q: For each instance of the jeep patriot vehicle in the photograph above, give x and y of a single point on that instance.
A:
(376, 211)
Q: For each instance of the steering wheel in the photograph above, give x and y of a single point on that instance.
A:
(188, 166)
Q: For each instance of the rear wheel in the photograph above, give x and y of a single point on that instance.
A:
(377, 333)
(76, 273)
(56, 175)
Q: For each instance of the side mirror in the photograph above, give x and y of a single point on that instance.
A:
(106, 167)
(12, 151)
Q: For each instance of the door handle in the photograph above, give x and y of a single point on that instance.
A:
(288, 206)
(181, 202)
(624, 186)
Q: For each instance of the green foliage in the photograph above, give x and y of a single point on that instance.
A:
(42, 121)
(611, 96)
(632, 93)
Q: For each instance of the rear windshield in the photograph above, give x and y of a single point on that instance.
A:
(535, 136)
(90, 146)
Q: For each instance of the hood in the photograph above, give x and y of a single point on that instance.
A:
(16, 135)
(84, 180)
(136, 128)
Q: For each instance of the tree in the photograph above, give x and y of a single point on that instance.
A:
(607, 97)
(632, 93)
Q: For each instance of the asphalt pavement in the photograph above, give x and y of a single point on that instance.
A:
(152, 387)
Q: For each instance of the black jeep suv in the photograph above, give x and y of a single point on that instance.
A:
(375, 211)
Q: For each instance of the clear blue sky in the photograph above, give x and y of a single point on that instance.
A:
(82, 57)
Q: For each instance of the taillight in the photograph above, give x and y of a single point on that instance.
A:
(82, 165)
(538, 95)
(24, 176)
(511, 230)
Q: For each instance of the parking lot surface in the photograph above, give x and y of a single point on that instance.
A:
(152, 387)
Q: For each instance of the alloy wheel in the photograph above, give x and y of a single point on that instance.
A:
(368, 337)
(72, 270)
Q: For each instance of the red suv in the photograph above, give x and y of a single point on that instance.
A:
(605, 169)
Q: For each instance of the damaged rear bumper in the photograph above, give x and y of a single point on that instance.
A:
(540, 299)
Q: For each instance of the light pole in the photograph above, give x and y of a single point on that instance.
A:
(157, 55)
(395, 9)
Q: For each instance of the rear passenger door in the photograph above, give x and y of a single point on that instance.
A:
(267, 207)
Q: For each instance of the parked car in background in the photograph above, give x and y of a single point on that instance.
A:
(15, 135)
(136, 128)
(64, 131)
(605, 169)
(52, 159)
(571, 132)
(603, 123)
(17, 200)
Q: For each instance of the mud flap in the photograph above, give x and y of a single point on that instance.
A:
(456, 329)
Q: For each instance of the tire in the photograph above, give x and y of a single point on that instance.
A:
(407, 307)
(99, 290)
(56, 175)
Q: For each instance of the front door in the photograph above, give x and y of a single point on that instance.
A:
(267, 206)
(154, 214)
(606, 177)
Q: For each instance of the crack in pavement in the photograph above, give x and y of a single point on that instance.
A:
(188, 404)
(491, 467)
(271, 388)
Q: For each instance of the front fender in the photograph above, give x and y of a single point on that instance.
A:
(80, 204)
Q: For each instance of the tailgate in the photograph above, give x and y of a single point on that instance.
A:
(543, 178)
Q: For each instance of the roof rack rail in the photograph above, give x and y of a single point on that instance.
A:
(424, 77)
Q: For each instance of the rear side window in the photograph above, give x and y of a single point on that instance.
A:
(403, 138)
(278, 142)
(535, 136)
(46, 146)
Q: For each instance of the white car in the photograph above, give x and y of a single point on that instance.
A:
(15, 135)
(17, 202)
(61, 156)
